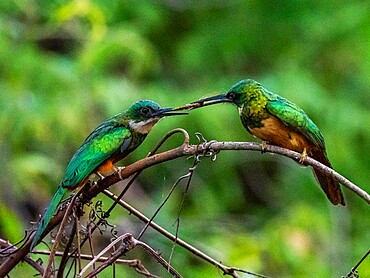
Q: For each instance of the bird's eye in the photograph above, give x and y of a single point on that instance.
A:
(231, 95)
(144, 110)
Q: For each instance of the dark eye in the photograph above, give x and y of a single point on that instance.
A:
(144, 110)
(231, 95)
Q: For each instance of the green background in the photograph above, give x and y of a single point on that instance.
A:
(67, 66)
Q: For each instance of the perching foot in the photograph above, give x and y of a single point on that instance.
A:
(118, 170)
(100, 175)
(303, 156)
(263, 146)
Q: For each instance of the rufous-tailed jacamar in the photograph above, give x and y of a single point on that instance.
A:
(107, 144)
(280, 122)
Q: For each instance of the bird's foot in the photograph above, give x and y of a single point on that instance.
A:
(100, 175)
(118, 170)
(263, 146)
(303, 157)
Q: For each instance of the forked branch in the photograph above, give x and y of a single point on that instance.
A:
(182, 151)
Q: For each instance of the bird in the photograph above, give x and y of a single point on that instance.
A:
(107, 144)
(277, 121)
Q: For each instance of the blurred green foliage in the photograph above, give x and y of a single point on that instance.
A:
(65, 66)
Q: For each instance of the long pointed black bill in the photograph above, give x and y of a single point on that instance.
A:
(212, 100)
(200, 103)
(168, 112)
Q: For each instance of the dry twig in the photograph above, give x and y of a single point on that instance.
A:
(184, 150)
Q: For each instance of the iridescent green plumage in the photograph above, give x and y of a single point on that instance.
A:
(108, 143)
(256, 104)
(278, 121)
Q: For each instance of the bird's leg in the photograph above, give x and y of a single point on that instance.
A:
(94, 183)
(263, 146)
(100, 175)
(118, 170)
(303, 156)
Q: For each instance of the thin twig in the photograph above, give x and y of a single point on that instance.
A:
(105, 250)
(183, 150)
(162, 204)
(9, 248)
(190, 175)
(91, 246)
(159, 258)
(86, 257)
(64, 260)
(58, 237)
(226, 270)
(128, 243)
(133, 263)
(353, 272)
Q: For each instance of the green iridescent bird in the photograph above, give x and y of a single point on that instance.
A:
(280, 122)
(110, 142)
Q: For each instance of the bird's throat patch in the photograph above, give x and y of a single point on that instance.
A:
(143, 127)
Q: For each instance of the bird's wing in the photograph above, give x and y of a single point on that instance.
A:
(296, 118)
(103, 142)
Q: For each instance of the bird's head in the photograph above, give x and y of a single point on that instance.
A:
(144, 114)
(238, 94)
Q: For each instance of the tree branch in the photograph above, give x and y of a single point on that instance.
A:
(232, 271)
(128, 242)
(181, 151)
(5, 245)
(132, 263)
(214, 147)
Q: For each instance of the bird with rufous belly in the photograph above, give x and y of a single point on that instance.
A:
(280, 122)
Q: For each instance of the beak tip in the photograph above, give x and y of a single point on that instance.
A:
(209, 101)
(171, 112)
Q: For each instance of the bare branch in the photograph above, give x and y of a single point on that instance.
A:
(64, 259)
(226, 269)
(86, 257)
(5, 245)
(354, 272)
(186, 150)
(128, 243)
(183, 150)
(60, 232)
(159, 258)
(133, 263)
(162, 204)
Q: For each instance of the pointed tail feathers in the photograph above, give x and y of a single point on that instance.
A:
(48, 214)
(330, 186)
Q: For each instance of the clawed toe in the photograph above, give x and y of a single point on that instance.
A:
(303, 157)
(100, 175)
(263, 146)
(118, 170)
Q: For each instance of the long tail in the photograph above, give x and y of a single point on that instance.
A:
(48, 214)
(330, 186)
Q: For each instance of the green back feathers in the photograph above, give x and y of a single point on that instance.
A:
(98, 147)
(113, 135)
(256, 103)
(113, 139)
(296, 118)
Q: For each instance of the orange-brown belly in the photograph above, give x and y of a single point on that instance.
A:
(106, 168)
(277, 133)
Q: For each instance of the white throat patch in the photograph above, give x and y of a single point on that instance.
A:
(143, 127)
